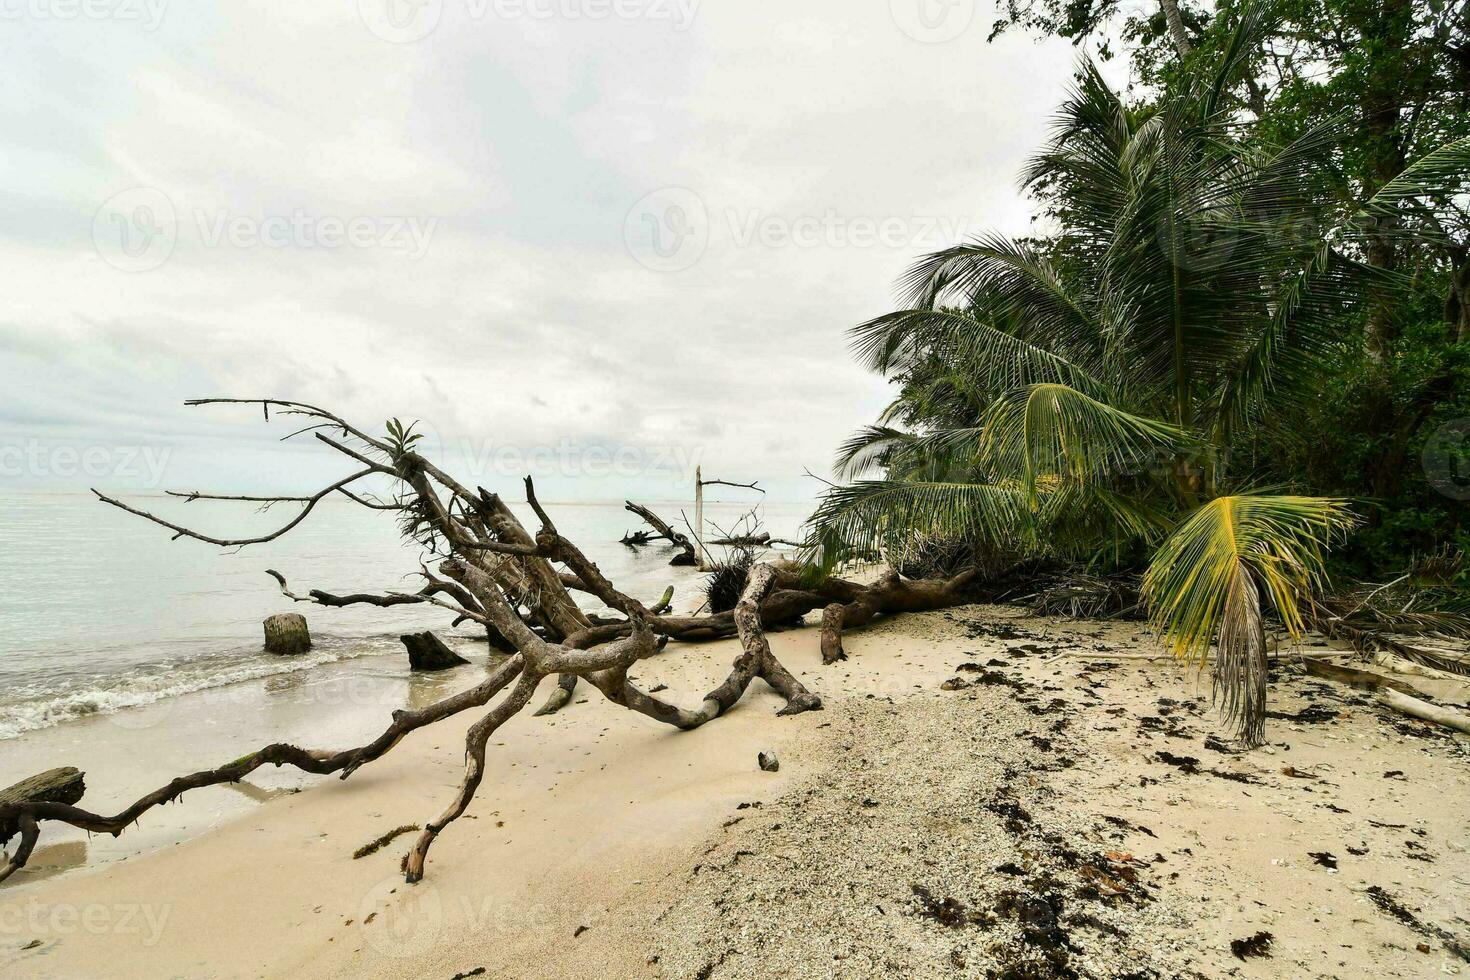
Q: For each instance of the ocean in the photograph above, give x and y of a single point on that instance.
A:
(101, 612)
(137, 658)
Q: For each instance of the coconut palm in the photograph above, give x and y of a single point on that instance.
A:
(1079, 396)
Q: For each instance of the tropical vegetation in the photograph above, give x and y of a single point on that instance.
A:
(1100, 393)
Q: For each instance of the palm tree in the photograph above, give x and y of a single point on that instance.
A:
(1079, 396)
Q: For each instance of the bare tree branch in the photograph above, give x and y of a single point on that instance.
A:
(185, 532)
(498, 574)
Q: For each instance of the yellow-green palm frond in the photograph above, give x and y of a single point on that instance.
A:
(1051, 429)
(1205, 583)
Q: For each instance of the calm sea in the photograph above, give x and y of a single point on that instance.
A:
(101, 612)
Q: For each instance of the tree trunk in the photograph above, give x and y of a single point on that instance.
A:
(699, 553)
(688, 555)
(427, 652)
(1448, 717)
(1177, 33)
(1382, 105)
(1457, 308)
(286, 634)
(64, 785)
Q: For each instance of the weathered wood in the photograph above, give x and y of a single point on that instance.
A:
(286, 634)
(427, 652)
(687, 555)
(1355, 677)
(832, 634)
(701, 555)
(1400, 665)
(761, 540)
(496, 574)
(1448, 717)
(65, 784)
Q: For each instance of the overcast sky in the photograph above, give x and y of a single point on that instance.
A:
(601, 239)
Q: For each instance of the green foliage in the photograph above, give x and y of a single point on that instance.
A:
(1365, 436)
(1089, 396)
(402, 437)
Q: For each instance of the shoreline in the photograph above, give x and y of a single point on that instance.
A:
(125, 753)
(576, 859)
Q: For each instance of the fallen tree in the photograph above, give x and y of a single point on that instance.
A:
(761, 540)
(661, 530)
(489, 569)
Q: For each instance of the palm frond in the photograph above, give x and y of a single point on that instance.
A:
(1435, 173)
(1001, 360)
(869, 517)
(1205, 583)
(869, 447)
(1051, 429)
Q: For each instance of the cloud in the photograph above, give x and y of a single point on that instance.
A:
(441, 229)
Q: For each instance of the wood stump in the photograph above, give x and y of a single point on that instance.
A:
(427, 652)
(63, 785)
(286, 634)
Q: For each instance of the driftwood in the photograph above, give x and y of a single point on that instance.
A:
(849, 606)
(1440, 715)
(427, 652)
(1357, 678)
(761, 540)
(286, 634)
(63, 785)
(1401, 666)
(489, 569)
(662, 530)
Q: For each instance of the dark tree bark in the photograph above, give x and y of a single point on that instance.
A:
(1457, 307)
(1382, 107)
(427, 652)
(663, 530)
(62, 785)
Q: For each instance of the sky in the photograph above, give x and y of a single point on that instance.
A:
(602, 241)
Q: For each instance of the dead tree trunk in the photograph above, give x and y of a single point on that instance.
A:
(495, 573)
(62, 785)
(663, 530)
(427, 652)
(286, 634)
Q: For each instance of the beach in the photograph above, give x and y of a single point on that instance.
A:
(985, 790)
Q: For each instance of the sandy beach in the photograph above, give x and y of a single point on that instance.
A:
(985, 792)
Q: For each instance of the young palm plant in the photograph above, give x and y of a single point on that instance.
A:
(1079, 396)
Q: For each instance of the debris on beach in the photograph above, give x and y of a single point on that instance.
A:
(1258, 945)
(373, 846)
